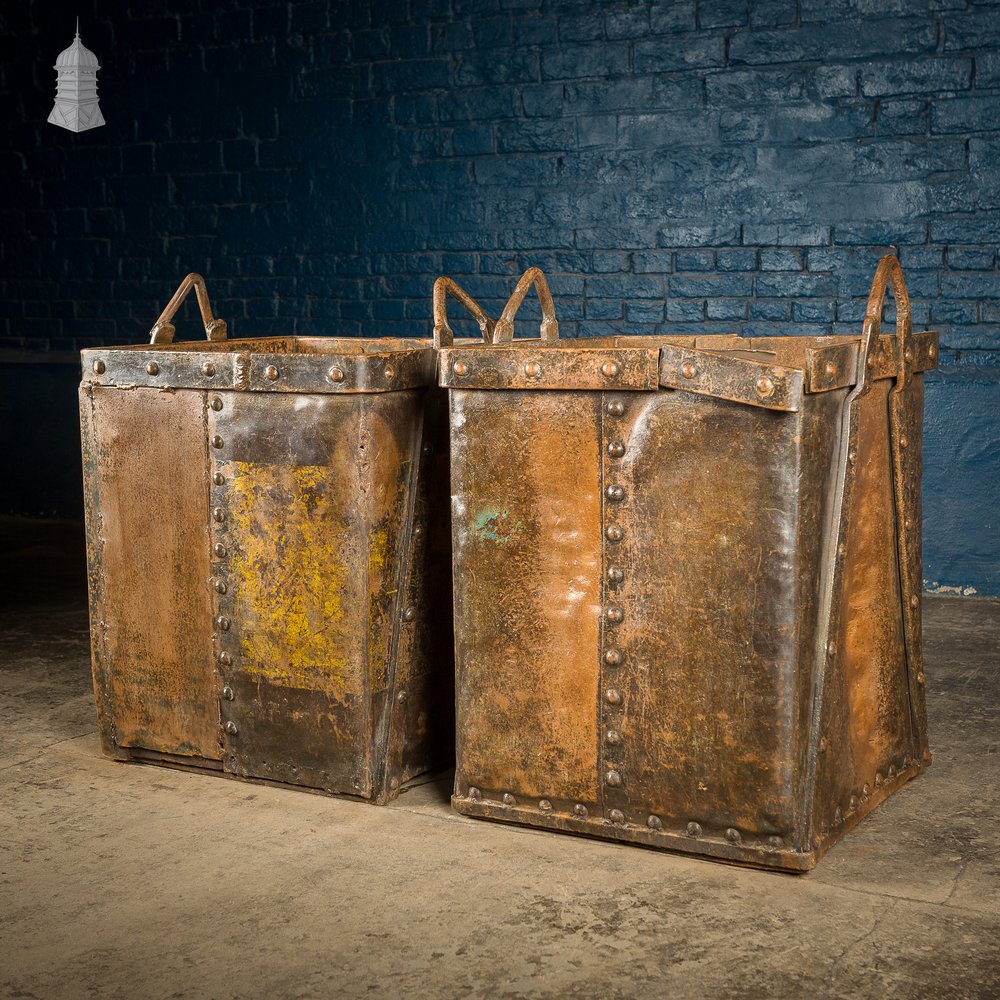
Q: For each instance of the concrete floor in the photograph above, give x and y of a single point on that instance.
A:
(124, 881)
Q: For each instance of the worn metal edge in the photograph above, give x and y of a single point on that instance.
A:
(835, 366)
(664, 840)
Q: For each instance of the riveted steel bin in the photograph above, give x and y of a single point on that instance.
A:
(266, 567)
(687, 583)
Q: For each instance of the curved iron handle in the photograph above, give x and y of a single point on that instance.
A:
(888, 272)
(443, 335)
(549, 329)
(162, 331)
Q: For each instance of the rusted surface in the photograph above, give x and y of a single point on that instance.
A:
(264, 595)
(700, 576)
(148, 538)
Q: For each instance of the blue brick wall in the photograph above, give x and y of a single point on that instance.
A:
(692, 166)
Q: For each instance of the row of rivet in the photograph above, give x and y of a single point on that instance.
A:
(220, 552)
(208, 369)
(611, 656)
(693, 830)
(533, 369)
(765, 385)
(855, 801)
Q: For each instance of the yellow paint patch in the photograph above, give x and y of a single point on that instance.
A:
(291, 585)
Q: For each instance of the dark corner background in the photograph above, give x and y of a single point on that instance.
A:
(711, 166)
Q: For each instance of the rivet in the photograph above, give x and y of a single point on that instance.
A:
(838, 816)
(907, 524)
(220, 586)
(853, 804)
(613, 778)
(914, 601)
(418, 530)
(615, 574)
(216, 403)
(532, 369)
(220, 550)
(508, 799)
(272, 373)
(689, 369)
(218, 478)
(694, 829)
(920, 678)
(831, 648)
(852, 456)
(426, 449)
(902, 441)
(336, 374)
(208, 369)
(401, 696)
(829, 369)
(765, 386)
(612, 738)
(580, 809)
(616, 449)
(614, 615)
(878, 780)
(217, 441)
(225, 659)
(871, 361)
(613, 697)
(388, 373)
(609, 369)
(100, 367)
(231, 728)
(841, 550)
(822, 745)
(612, 657)
(223, 622)
(614, 533)
(932, 351)
(545, 805)
(615, 493)
(733, 835)
(615, 408)
(393, 784)
(475, 793)
(865, 792)
(152, 368)
(908, 354)
(616, 816)
(654, 823)
(775, 843)
(892, 771)
(228, 693)
(461, 368)
(218, 514)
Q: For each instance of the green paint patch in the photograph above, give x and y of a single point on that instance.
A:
(496, 526)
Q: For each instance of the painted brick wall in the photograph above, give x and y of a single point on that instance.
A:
(711, 166)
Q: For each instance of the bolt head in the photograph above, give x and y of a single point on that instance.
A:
(208, 369)
(615, 493)
(152, 368)
(689, 369)
(613, 697)
(231, 728)
(654, 823)
(613, 779)
(461, 368)
(615, 408)
(694, 829)
(217, 441)
(612, 657)
(100, 367)
(616, 449)
(614, 533)
(609, 369)
(616, 816)
(765, 386)
(336, 374)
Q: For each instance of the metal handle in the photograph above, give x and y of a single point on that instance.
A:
(163, 330)
(549, 329)
(443, 335)
(888, 272)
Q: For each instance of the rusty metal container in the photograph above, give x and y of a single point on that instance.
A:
(687, 582)
(268, 557)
